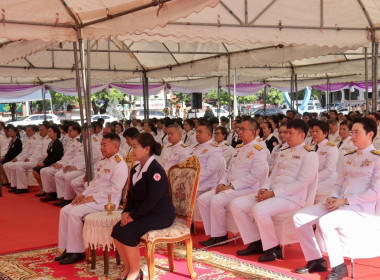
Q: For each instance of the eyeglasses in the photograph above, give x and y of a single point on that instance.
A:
(244, 129)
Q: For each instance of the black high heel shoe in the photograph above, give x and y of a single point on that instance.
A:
(140, 275)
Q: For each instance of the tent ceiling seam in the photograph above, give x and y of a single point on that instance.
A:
(171, 54)
(261, 13)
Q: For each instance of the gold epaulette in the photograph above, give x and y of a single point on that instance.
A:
(169, 145)
(184, 146)
(308, 148)
(215, 145)
(239, 146)
(95, 139)
(349, 153)
(376, 152)
(196, 145)
(227, 144)
(192, 133)
(117, 158)
(34, 137)
(330, 144)
(285, 148)
(258, 147)
(103, 158)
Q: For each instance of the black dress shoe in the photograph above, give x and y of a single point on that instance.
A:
(271, 254)
(253, 248)
(21, 191)
(49, 197)
(40, 194)
(207, 242)
(61, 257)
(140, 275)
(73, 258)
(12, 189)
(317, 265)
(215, 240)
(338, 272)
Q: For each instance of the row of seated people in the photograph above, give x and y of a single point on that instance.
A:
(212, 162)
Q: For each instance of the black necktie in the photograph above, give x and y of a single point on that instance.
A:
(340, 144)
(185, 138)
(316, 147)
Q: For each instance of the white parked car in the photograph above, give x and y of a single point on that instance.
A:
(344, 111)
(107, 118)
(36, 119)
(223, 112)
(314, 109)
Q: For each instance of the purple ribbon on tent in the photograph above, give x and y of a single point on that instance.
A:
(18, 91)
(245, 89)
(137, 90)
(74, 92)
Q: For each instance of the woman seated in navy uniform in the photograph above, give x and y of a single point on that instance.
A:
(149, 204)
(54, 153)
(267, 136)
(15, 145)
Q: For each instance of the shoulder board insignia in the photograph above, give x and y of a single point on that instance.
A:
(227, 144)
(196, 145)
(330, 144)
(170, 145)
(117, 158)
(349, 153)
(215, 145)
(285, 148)
(239, 146)
(78, 139)
(183, 145)
(376, 152)
(95, 139)
(260, 139)
(34, 137)
(307, 148)
(258, 147)
(192, 133)
(103, 158)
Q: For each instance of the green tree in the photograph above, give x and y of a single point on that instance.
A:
(274, 96)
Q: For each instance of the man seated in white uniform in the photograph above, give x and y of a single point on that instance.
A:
(282, 134)
(248, 169)
(110, 178)
(328, 157)
(27, 150)
(210, 158)
(75, 169)
(285, 190)
(333, 131)
(220, 136)
(19, 171)
(345, 145)
(176, 151)
(47, 174)
(349, 210)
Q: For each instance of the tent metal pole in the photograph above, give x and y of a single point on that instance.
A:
(145, 95)
(328, 94)
(265, 98)
(366, 81)
(77, 83)
(373, 76)
(375, 88)
(291, 92)
(43, 103)
(88, 110)
(235, 99)
(296, 91)
(219, 98)
(229, 84)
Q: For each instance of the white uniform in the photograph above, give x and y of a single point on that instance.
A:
(4, 146)
(110, 178)
(189, 139)
(376, 140)
(173, 154)
(359, 182)
(231, 136)
(275, 152)
(27, 150)
(292, 174)
(19, 176)
(48, 173)
(247, 171)
(63, 180)
(211, 160)
(328, 158)
(309, 140)
(227, 151)
(334, 138)
(65, 140)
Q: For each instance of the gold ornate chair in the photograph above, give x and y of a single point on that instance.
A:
(183, 180)
(104, 223)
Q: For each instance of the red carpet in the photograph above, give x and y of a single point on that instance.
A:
(26, 223)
